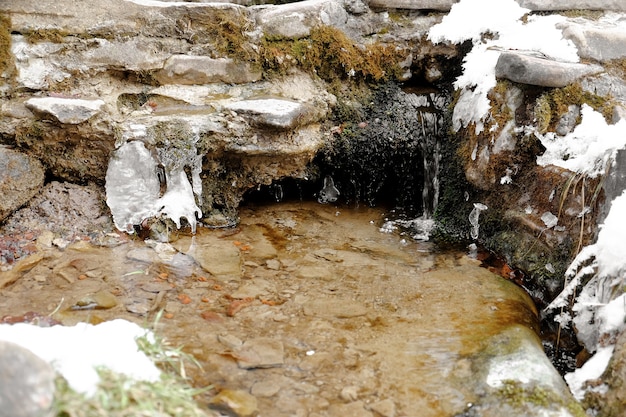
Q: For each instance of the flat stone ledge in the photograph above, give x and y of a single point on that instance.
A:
(526, 69)
(189, 70)
(66, 110)
(273, 112)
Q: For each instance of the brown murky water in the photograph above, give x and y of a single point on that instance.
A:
(309, 308)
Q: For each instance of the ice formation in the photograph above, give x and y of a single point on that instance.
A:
(133, 187)
(473, 219)
(329, 193)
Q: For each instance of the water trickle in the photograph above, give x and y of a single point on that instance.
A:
(329, 193)
(473, 219)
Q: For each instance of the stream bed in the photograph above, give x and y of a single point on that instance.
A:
(306, 309)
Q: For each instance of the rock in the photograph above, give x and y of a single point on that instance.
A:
(334, 308)
(295, 20)
(610, 402)
(440, 5)
(235, 403)
(568, 121)
(270, 386)
(102, 299)
(261, 352)
(67, 210)
(26, 383)
(273, 112)
(526, 69)
(514, 369)
(186, 69)
(253, 289)
(606, 85)
(549, 5)
(66, 110)
(353, 409)
(385, 408)
(599, 40)
(223, 261)
(21, 177)
(135, 54)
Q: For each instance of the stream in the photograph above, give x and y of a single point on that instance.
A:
(308, 309)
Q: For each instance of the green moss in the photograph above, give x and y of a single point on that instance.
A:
(225, 30)
(518, 395)
(551, 105)
(7, 65)
(46, 35)
(332, 55)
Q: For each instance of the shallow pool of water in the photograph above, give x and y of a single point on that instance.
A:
(311, 309)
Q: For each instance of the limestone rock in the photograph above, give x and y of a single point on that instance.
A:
(26, 383)
(184, 69)
(602, 41)
(21, 177)
(526, 69)
(273, 112)
(295, 20)
(547, 5)
(66, 110)
(136, 54)
(441, 5)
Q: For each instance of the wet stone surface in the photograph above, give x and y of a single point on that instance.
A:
(302, 310)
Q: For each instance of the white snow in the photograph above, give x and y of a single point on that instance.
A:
(592, 369)
(589, 148)
(494, 26)
(77, 351)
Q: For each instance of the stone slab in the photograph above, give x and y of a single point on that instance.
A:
(602, 41)
(66, 110)
(185, 69)
(272, 112)
(527, 69)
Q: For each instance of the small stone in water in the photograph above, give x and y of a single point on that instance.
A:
(236, 403)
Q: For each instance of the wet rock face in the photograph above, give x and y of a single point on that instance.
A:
(21, 177)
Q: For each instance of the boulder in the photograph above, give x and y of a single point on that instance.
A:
(526, 69)
(26, 383)
(21, 177)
